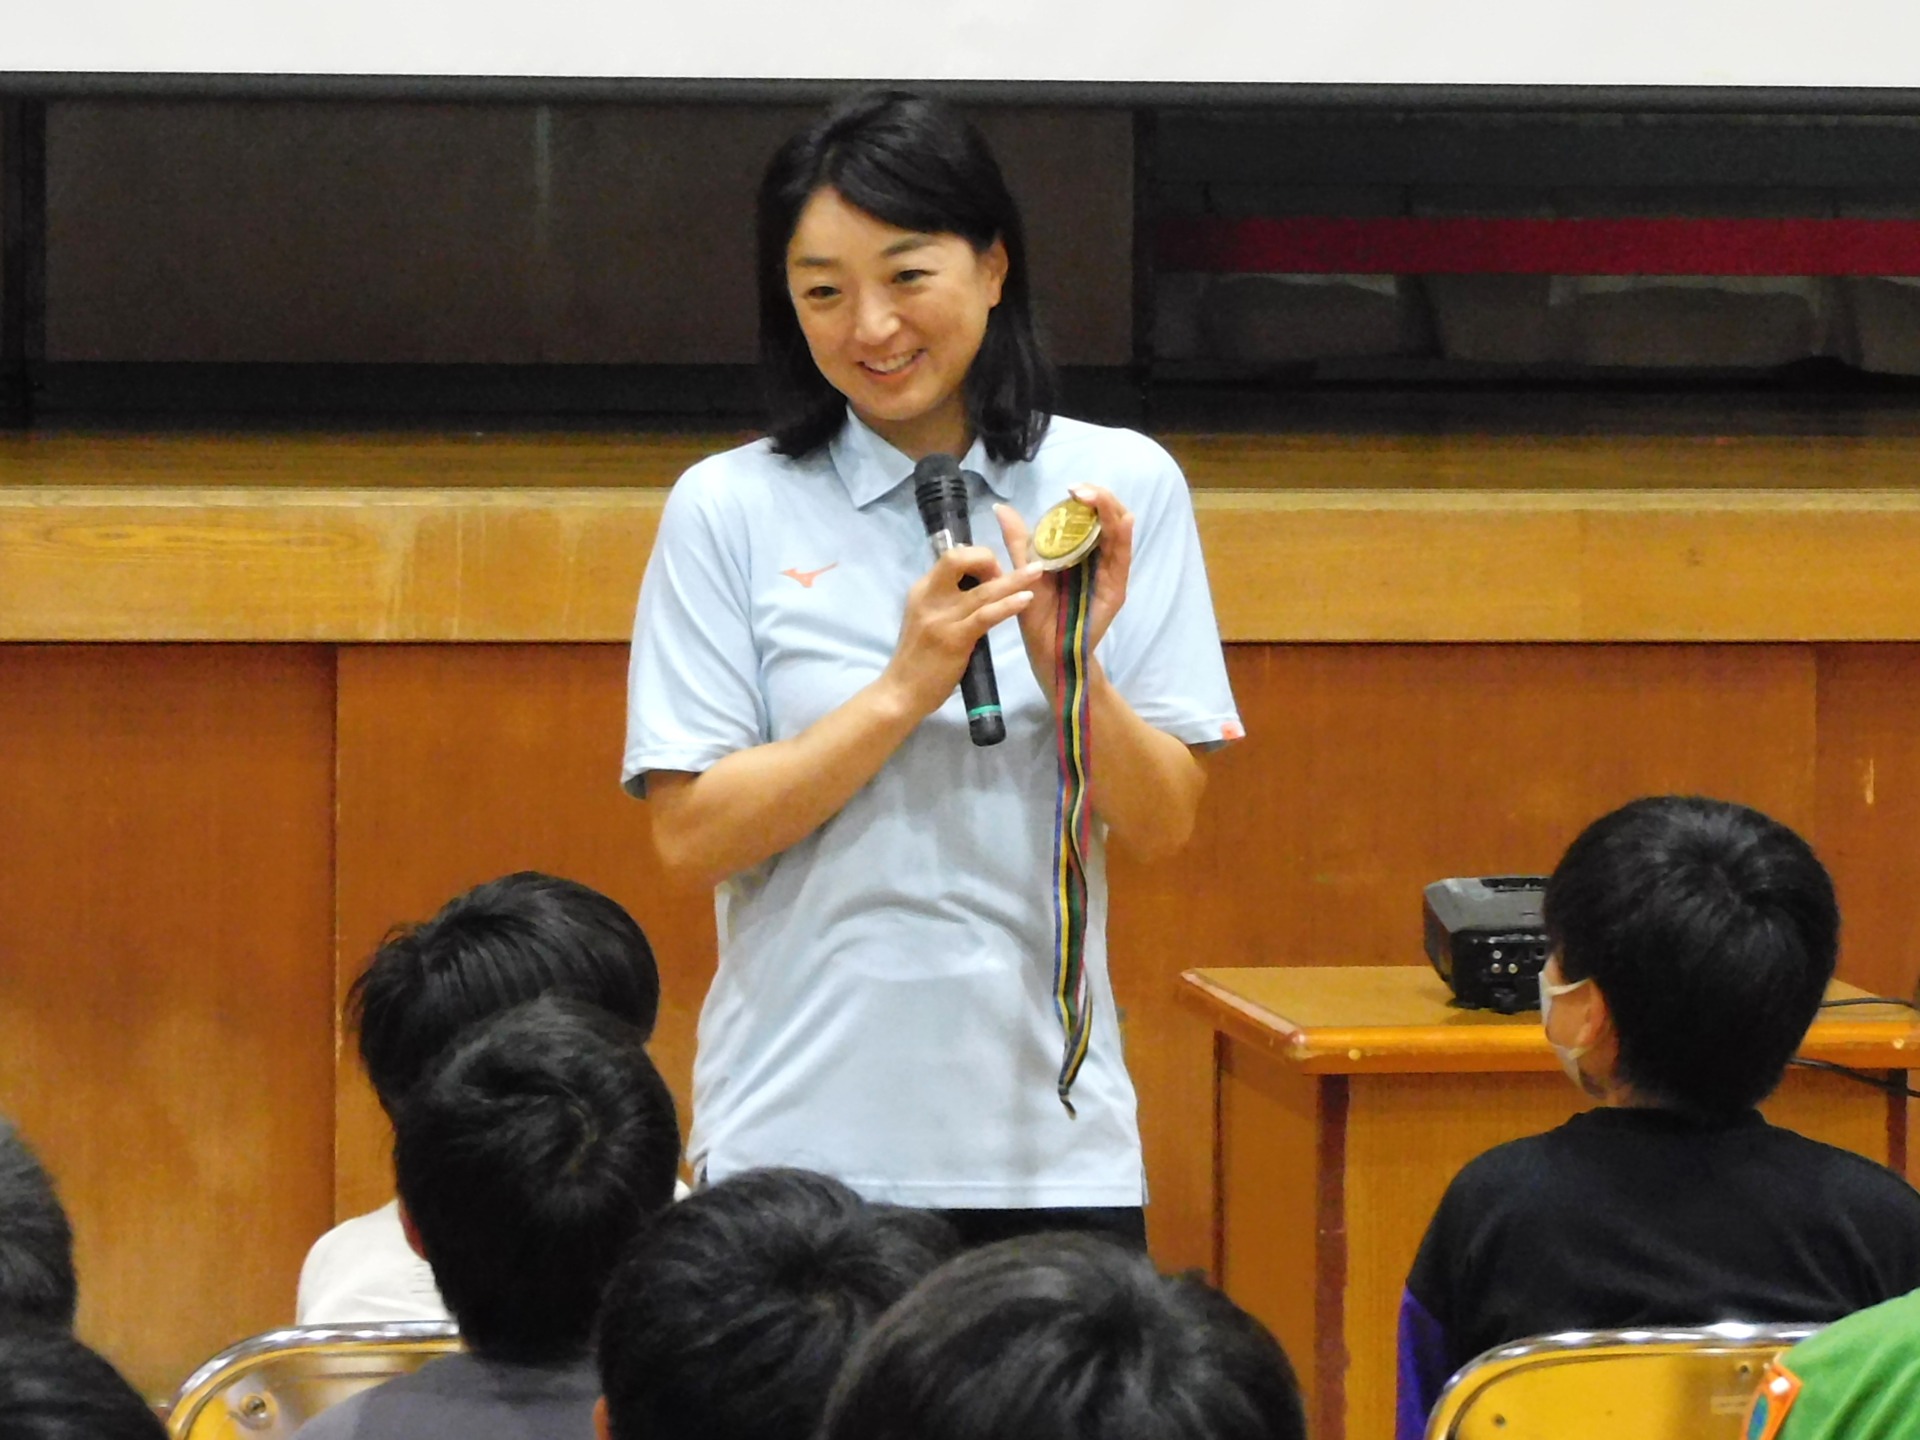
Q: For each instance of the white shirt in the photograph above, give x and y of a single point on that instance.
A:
(882, 1006)
(363, 1271)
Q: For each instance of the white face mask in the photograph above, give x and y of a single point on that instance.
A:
(1570, 1055)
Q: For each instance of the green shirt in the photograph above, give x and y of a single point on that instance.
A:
(1859, 1377)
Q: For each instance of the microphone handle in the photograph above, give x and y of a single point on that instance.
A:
(979, 692)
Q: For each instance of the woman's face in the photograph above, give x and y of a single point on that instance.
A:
(893, 318)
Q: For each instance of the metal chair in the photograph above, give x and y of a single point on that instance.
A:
(267, 1387)
(1666, 1384)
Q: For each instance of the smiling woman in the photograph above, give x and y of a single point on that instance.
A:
(884, 1008)
(899, 208)
(893, 318)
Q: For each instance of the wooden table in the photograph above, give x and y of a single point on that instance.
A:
(1345, 1100)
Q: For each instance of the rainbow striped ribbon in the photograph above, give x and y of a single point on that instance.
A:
(1073, 825)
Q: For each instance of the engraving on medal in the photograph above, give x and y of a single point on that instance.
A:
(1065, 535)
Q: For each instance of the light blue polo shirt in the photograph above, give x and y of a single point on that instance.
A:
(882, 1007)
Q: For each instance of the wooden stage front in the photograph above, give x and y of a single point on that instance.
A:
(420, 684)
(1308, 539)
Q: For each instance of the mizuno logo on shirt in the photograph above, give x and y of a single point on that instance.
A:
(807, 577)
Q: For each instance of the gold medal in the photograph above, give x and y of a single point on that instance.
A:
(1066, 535)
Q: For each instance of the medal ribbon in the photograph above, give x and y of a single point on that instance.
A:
(1073, 823)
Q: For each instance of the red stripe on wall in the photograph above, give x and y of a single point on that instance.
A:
(1469, 245)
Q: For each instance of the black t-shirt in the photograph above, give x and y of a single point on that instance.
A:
(1631, 1217)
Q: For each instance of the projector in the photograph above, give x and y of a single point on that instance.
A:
(1485, 938)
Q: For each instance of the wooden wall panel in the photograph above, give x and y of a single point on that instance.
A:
(165, 878)
(401, 561)
(1281, 1154)
(458, 764)
(1869, 807)
(346, 565)
(563, 563)
(1369, 771)
(1869, 814)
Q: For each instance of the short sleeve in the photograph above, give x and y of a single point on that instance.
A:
(1163, 652)
(693, 688)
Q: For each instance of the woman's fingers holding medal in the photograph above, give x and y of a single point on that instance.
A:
(1062, 536)
(943, 621)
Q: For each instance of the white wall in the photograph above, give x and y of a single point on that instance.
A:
(1550, 42)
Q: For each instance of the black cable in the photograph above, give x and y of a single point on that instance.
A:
(1871, 1000)
(1892, 1087)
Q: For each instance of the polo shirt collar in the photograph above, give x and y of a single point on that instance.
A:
(869, 467)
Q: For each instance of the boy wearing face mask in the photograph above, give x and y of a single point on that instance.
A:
(1692, 942)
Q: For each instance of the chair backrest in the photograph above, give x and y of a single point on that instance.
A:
(1667, 1384)
(267, 1387)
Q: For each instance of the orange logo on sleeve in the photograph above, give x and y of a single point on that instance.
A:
(1779, 1388)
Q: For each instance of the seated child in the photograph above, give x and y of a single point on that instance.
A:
(1065, 1337)
(731, 1315)
(526, 1160)
(37, 1282)
(496, 946)
(1858, 1379)
(1692, 941)
(54, 1388)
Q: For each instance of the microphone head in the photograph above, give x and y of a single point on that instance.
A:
(940, 490)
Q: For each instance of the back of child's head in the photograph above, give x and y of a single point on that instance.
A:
(526, 1160)
(54, 1388)
(498, 945)
(1065, 1337)
(732, 1314)
(1712, 932)
(37, 1281)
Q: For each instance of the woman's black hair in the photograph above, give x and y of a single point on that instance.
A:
(911, 162)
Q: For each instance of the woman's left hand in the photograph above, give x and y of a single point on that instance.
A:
(1040, 621)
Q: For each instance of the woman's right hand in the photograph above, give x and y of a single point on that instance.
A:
(756, 802)
(943, 622)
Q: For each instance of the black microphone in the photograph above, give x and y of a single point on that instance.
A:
(940, 490)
